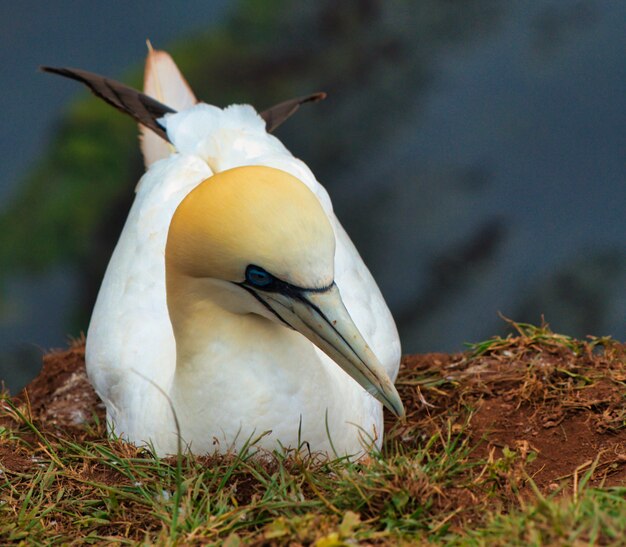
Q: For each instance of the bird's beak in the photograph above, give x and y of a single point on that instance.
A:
(322, 317)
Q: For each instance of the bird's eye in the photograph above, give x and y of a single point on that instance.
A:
(258, 277)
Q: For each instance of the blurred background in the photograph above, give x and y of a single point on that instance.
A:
(475, 151)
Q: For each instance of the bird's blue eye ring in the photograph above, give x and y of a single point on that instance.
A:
(258, 277)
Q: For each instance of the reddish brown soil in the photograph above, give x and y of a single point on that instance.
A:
(557, 413)
(564, 445)
(61, 394)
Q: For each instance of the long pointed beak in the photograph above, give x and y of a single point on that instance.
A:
(322, 317)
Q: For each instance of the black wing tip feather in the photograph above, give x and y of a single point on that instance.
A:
(140, 107)
(147, 111)
(316, 97)
(280, 113)
(59, 70)
(52, 69)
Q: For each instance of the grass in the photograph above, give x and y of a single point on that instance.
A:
(433, 482)
(88, 488)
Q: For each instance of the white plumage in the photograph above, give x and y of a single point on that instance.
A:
(275, 379)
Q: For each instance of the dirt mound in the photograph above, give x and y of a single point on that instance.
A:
(554, 408)
(61, 394)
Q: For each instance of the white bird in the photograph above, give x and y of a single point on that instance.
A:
(234, 299)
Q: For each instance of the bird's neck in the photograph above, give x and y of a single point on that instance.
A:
(207, 316)
(194, 314)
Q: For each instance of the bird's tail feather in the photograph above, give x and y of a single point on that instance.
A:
(164, 82)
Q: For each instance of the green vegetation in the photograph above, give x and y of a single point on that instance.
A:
(100, 490)
(440, 478)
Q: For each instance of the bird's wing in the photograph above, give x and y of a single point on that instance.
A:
(365, 302)
(130, 342)
(164, 82)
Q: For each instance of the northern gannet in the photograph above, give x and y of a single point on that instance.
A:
(234, 292)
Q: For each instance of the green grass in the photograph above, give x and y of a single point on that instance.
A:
(95, 488)
(98, 490)
(430, 484)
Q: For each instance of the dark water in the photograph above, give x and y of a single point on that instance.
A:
(500, 186)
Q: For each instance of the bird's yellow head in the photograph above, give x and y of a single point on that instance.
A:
(256, 240)
(252, 216)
